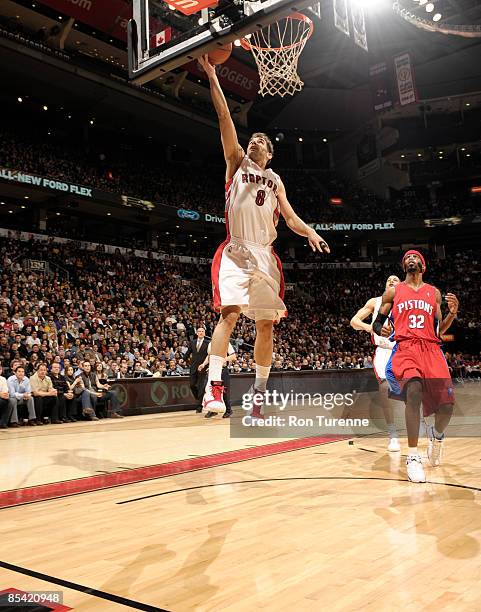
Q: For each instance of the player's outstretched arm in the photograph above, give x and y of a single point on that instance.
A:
(233, 152)
(384, 310)
(357, 321)
(453, 306)
(297, 225)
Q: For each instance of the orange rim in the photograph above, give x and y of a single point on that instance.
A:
(248, 46)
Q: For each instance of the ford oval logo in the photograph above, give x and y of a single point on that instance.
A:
(192, 215)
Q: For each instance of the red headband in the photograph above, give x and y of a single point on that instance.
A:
(414, 252)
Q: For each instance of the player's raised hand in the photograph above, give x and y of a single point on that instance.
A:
(207, 66)
(453, 303)
(317, 243)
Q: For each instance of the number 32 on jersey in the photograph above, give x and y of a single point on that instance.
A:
(416, 321)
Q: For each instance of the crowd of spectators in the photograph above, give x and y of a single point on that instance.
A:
(121, 316)
(200, 186)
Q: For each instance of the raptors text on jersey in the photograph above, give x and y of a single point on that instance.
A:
(252, 209)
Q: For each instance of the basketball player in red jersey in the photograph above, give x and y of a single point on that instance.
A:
(417, 370)
(384, 346)
(246, 273)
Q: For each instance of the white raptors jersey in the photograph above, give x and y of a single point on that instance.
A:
(380, 340)
(252, 209)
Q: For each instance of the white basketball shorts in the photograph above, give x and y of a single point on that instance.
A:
(381, 357)
(248, 275)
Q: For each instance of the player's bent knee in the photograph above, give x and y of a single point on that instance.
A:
(447, 409)
(264, 327)
(230, 315)
(414, 387)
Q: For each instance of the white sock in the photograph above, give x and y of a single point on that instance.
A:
(413, 450)
(262, 376)
(391, 428)
(215, 367)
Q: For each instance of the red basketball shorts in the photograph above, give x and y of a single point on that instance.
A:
(418, 359)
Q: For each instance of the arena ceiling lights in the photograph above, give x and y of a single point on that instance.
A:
(432, 19)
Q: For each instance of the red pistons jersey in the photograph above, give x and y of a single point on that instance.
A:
(251, 209)
(414, 313)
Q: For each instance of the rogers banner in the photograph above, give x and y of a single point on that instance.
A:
(234, 76)
(109, 16)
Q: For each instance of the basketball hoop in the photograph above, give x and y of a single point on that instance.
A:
(276, 50)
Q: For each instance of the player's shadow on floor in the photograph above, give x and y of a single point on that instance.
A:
(193, 574)
(447, 513)
(190, 584)
(85, 463)
(123, 583)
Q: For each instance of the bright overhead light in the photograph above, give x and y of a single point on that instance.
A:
(463, 149)
(324, 140)
(369, 4)
(403, 156)
(300, 139)
(429, 7)
(468, 103)
(45, 107)
(437, 17)
(419, 155)
(19, 99)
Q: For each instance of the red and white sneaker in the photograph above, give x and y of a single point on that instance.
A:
(214, 399)
(257, 402)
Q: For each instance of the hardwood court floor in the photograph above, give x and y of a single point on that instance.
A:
(332, 526)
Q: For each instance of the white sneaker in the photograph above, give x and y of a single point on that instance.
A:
(435, 448)
(214, 399)
(415, 469)
(394, 446)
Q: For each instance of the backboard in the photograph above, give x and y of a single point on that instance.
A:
(165, 35)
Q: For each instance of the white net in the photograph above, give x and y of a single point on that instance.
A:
(276, 50)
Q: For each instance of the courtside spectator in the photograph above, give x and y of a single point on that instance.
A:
(45, 397)
(20, 395)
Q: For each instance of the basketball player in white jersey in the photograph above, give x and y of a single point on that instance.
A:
(246, 273)
(383, 352)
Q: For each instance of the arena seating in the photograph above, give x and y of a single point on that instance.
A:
(112, 307)
(113, 169)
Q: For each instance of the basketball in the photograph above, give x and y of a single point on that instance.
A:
(220, 55)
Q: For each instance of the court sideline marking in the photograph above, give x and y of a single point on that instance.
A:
(136, 605)
(88, 484)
